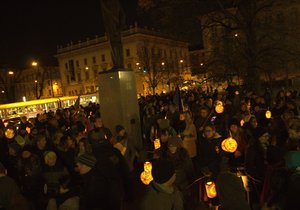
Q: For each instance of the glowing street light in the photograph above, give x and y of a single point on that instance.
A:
(86, 68)
(34, 63)
(162, 63)
(10, 72)
(181, 61)
(137, 64)
(35, 81)
(236, 35)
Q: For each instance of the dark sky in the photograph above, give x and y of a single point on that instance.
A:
(32, 29)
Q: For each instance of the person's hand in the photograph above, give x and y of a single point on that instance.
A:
(237, 154)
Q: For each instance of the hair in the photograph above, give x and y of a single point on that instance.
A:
(48, 155)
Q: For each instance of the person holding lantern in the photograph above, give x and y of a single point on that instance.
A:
(161, 194)
(256, 162)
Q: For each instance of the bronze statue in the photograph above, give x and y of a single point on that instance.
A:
(114, 20)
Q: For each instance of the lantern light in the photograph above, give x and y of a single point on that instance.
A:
(9, 133)
(156, 144)
(229, 145)
(268, 114)
(146, 176)
(237, 92)
(211, 189)
(219, 108)
(242, 122)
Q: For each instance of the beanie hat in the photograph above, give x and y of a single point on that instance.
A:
(292, 159)
(119, 128)
(258, 132)
(175, 141)
(162, 171)
(87, 159)
(234, 121)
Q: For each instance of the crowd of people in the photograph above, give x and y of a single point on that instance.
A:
(70, 160)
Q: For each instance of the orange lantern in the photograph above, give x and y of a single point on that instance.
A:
(156, 144)
(146, 176)
(9, 133)
(211, 189)
(148, 166)
(229, 145)
(219, 108)
(268, 114)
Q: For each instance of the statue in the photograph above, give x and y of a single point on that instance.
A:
(114, 19)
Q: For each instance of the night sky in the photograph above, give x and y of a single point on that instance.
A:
(32, 29)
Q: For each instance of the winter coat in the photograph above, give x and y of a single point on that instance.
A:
(158, 199)
(231, 192)
(189, 139)
(8, 190)
(66, 201)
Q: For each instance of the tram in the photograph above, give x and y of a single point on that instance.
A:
(32, 108)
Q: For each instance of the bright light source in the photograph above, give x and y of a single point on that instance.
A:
(137, 63)
(35, 81)
(24, 98)
(34, 63)
(201, 64)
(2, 91)
(10, 72)
(181, 61)
(162, 63)
(236, 35)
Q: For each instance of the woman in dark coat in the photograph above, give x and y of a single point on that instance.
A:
(184, 169)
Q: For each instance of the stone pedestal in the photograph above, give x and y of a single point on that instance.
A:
(118, 103)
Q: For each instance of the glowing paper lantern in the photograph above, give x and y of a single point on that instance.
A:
(268, 114)
(242, 122)
(219, 108)
(229, 145)
(211, 189)
(156, 144)
(148, 166)
(146, 176)
(9, 133)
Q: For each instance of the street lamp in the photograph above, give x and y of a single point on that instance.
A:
(11, 73)
(34, 63)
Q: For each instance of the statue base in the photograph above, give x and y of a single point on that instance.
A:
(119, 104)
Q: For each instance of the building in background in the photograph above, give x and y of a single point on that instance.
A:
(159, 60)
(264, 39)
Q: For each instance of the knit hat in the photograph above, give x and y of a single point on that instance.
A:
(292, 159)
(87, 159)
(258, 132)
(162, 171)
(175, 141)
(234, 121)
(119, 128)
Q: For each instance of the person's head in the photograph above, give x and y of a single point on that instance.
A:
(164, 135)
(50, 158)
(98, 122)
(120, 130)
(163, 173)
(253, 122)
(174, 143)
(41, 142)
(261, 135)
(294, 129)
(26, 152)
(84, 146)
(209, 131)
(204, 112)
(234, 125)
(85, 163)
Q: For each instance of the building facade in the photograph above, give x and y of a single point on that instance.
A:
(270, 37)
(166, 57)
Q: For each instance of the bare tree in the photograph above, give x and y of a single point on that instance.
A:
(8, 81)
(150, 65)
(248, 39)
